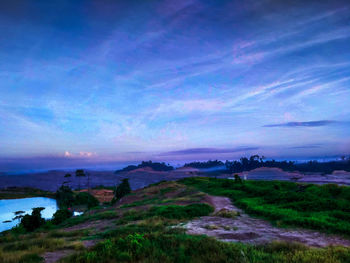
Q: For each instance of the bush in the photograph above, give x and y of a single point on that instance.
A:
(61, 215)
(238, 179)
(227, 213)
(33, 221)
(84, 198)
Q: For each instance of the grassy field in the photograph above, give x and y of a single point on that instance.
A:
(151, 240)
(325, 208)
(143, 228)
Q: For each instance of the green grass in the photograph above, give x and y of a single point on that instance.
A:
(146, 201)
(166, 193)
(325, 208)
(101, 215)
(147, 236)
(156, 242)
(28, 248)
(181, 212)
(172, 212)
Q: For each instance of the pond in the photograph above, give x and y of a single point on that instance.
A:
(9, 206)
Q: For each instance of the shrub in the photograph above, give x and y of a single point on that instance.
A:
(33, 221)
(181, 212)
(238, 179)
(84, 198)
(227, 213)
(227, 183)
(61, 215)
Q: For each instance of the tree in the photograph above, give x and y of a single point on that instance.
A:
(67, 175)
(64, 196)
(18, 215)
(79, 173)
(238, 179)
(122, 189)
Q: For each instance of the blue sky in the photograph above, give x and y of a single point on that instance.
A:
(118, 81)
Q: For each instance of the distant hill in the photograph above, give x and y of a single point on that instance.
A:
(154, 165)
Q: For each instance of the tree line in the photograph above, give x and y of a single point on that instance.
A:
(154, 165)
(256, 161)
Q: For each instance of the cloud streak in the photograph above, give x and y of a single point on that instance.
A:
(304, 124)
(199, 151)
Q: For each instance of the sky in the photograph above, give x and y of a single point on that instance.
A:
(104, 82)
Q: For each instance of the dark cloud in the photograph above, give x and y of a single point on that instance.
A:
(210, 150)
(304, 123)
(306, 147)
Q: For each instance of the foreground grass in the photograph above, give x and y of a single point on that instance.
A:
(152, 240)
(27, 248)
(325, 208)
(149, 236)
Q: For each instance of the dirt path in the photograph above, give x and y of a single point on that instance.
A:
(244, 228)
(51, 257)
(55, 256)
(97, 226)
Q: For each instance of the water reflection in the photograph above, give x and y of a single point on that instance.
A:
(8, 207)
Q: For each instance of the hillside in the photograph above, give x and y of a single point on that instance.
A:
(161, 223)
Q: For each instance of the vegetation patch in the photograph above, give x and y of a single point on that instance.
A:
(211, 227)
(148, 243)
(227, 213)
(163, 193)
(325, 208)
(181, 212)
(28, 248)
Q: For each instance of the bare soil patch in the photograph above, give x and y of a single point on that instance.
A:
(102, 195)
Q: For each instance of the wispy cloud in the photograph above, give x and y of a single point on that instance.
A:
(198, 151)
(310, 146)
(304, 124)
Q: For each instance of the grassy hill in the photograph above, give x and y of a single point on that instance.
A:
(144, 226)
